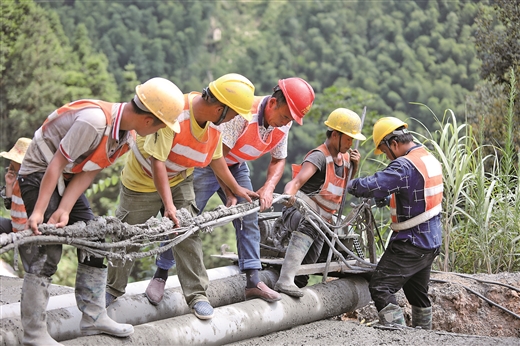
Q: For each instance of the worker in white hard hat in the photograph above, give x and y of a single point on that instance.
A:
(76, 142)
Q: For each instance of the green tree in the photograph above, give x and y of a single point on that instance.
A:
(498, 46)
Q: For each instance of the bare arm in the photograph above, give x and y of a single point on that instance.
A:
(161, 182)
(221, 170)
(274, 174)
(75, 188)
(307, 171)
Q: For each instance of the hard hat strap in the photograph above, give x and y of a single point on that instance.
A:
(222, 116)
(140, 105)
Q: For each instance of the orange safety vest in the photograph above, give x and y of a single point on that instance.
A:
(100, 158)
(431, 171)
(328, 199)
(187, 151)
(18, 213)
(250, 145)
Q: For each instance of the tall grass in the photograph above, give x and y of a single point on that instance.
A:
(481, 206)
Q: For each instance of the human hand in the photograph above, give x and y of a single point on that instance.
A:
(10, 177)
(266, 198)
(383, 202)
(171, 213)
(247, 194)
(231, 200)
(290, 202)
(355, 156)
(60, 218)
(34, 220)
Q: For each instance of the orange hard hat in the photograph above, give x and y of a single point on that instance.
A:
(299, 95)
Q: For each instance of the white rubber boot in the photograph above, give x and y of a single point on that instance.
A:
(34, 300)
(298, 247)
(90, 297)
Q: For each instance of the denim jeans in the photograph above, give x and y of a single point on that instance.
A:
(246, 228)
(405, 266)
(43, 259)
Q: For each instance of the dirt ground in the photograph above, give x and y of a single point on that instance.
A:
(459, 318)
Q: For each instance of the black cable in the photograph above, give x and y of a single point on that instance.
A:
(479, 295)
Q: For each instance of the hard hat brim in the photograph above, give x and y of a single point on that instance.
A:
(295, 115)
(247, 116)
(176, 127)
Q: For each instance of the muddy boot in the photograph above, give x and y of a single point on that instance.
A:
(391, 316)
(34, 300)
(422, 317)
(90, 297)
(296, 251)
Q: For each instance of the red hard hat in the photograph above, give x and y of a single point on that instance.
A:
(299, 95)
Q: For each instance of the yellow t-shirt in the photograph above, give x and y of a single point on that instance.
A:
(158, 145)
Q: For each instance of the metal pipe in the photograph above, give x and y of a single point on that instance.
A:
(249, 319)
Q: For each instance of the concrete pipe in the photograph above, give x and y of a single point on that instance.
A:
(63, 317)
(249, 319)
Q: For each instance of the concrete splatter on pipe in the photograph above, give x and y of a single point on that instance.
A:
(226, 287)
(249, 319)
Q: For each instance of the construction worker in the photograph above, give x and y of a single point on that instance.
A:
(320, 181)
(413, 179)
(158, 177)
(11, 191)
(76, 142)
(246, 140)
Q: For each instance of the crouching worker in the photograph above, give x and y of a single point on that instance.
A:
(319, 181)
(414, 181)
(76, 142)
(11, 191)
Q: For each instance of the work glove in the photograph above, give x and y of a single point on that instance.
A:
(383, 202)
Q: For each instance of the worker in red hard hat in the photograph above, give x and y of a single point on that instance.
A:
(246, 140)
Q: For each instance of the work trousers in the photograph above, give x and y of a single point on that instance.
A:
(5, 225)
(137, 208)
(43, 260)
(246, 228)
(292, 220)
(405, 266)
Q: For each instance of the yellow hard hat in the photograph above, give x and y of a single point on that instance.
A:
(383, 127)
(163, 98)
(345, 121)
(235, 91)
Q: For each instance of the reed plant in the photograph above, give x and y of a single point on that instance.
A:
(481, 206)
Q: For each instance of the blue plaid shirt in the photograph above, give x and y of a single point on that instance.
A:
(401, 178)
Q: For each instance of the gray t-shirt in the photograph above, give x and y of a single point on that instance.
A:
(313, 185)
(76, 134)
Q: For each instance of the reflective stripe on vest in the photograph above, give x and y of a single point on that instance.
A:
(18, 213)
(187, 151)
(431, 171)
(100, 158)
(250, 145)
(331, 192)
